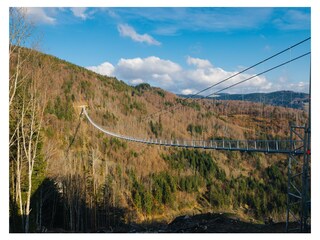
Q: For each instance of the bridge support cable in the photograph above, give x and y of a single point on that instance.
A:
(298, 193)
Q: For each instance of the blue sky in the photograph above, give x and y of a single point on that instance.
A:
(182, 50)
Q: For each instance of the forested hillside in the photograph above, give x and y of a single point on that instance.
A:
(289, 99)
(65, 175)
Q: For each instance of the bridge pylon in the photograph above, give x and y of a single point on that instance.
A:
(299, 181)
(81, 107)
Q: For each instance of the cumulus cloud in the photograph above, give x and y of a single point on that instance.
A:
(39, 15)
(200, 63)
(79, 12)
(105, 68)
(172, 77)
(153, 67)
(127, 31)
(201, 78)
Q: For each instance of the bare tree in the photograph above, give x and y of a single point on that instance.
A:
(31, 123)
(26, 102)
(20, 30)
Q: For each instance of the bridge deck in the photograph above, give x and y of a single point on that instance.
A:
(265, 146)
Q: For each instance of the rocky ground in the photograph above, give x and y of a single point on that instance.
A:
(204, 223)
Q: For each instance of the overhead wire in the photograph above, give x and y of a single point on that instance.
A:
(258, 74)
(226, 79)
(247, 79)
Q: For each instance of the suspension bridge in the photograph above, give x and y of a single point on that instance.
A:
(297, 146)
(264, 146)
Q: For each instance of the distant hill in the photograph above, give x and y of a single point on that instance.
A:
(290, 99)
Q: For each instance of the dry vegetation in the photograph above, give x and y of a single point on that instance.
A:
(84, 180)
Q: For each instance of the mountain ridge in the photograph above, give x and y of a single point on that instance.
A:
(284, 98)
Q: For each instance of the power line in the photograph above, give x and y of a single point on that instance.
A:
(247, 79)
(270, 69)
(228, 78)
(248, 68)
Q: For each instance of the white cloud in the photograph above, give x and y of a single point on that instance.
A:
(127, 31)
(79, 12)
(293, 20)
(201, 78)
(39, 15)
(172, 77)
(105, 68)
(162, 77)
(136, 81)
(150, 67)
(296, 87)
(200, 63)
(48, 15)
(188, 91)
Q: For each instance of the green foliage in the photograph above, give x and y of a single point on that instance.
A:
(142, 87)
(133, 153)
(141, 107)
(168, 104)
(137, 199)
(129, 104)
(142, 198)
(86, 89)
(147, 202)
(119, 85)
(195, 129)
(67, 86)
(110, 117)
(156, 128)
(114, 143)
(63, 109)
(185, 102)
(39, 168)
(49, 132)
(160, 92)
(218, 196)
(262, 197)
(164, 186)
(117, 143)
(190, 183)
(199, 161)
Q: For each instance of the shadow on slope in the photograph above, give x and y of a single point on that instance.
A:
(53, 213)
